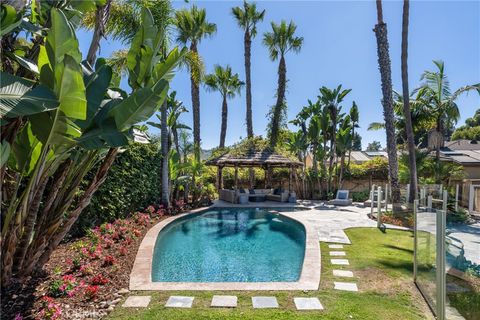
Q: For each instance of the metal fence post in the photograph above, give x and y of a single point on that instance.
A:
(408, 193)
(379, 206)
(415, 239)
(440, 264)
(429, 202)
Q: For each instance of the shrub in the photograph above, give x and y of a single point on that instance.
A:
(132, 183)
(360, 196)
(109, 261)
(50, 310)
(64, 287)
(99, 279)
(460, 216)
(91, 292)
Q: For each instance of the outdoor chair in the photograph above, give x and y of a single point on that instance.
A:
(341, 199)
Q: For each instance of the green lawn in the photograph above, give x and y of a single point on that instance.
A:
(382, 263)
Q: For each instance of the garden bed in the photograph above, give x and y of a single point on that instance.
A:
(84, 278)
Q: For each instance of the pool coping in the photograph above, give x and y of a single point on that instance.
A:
(141, 275)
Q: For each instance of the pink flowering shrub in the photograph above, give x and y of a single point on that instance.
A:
(109, 261)
(91, 292)
(67, 286)
(50, 309)
(86, 270)
(99, 279)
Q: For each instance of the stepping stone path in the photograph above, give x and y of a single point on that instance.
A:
(345, 286)
(307, 304)
(343, 262)
(137, 302)
(335, 246)
(264, 302)
(338, 253)
(224, 301)
(179, 302)
(342, 273)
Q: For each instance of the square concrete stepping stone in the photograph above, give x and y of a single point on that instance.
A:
(335, 246)
(345, 286)
(337, 253)
(343, 262)
(179, 302)
(308, 304)
(224, 301)
(342, 273)
(264, 302)
(137, 302)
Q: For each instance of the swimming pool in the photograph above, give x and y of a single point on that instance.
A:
(230, 245)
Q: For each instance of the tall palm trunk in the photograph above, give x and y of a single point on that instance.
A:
(195, 91)
(387, 102)
(248, 82)
(101, 18)
(406, 105)
(164, 150)
(277, 112)
(223, 131)
(333, 148)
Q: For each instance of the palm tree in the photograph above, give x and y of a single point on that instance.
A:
(331, 100)
(247, 19)
(387, 102)
(279, 42)
(354, 117)
(228, 84)
(438, 101)
(192, 26)
(406, 105)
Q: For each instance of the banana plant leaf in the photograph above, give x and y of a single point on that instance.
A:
(26, 150)
(10, 19)
(4, 152)
(19, 98)
(139, 106)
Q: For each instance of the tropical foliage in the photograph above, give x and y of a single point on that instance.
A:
(279, 42)
(229, 85)
(63, 120)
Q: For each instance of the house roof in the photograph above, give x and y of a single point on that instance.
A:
(265, 158)
(464, 157)
(462, 144)
(363, 156)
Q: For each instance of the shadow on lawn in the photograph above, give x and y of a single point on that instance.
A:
(401, 266)
(398, 248)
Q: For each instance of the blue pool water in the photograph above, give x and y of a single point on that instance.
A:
(230, 245)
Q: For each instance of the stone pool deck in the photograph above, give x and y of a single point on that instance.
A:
(328, 221)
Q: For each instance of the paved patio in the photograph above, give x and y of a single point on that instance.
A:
(327, 220)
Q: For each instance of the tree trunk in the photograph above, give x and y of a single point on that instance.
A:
(195, 91)
(83, 202)
(101, 18)
(165, 198)
(223, 131)
(387, 102)
(28, 227)
(277, 112)
(248, 83)
(406, 105)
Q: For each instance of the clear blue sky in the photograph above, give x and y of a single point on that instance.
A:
(339, 48)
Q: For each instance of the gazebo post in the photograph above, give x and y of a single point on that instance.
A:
(236, 177)
(290, 180)
(266, 176)
(219, 178)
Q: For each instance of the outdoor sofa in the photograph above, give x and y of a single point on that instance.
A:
(232, 196)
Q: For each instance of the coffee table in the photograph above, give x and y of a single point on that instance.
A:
(256, 197)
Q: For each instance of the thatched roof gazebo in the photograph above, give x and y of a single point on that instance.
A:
(265, 159)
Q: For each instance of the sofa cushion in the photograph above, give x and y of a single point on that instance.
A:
(251, 191)
(242, 190)
(342, 195)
